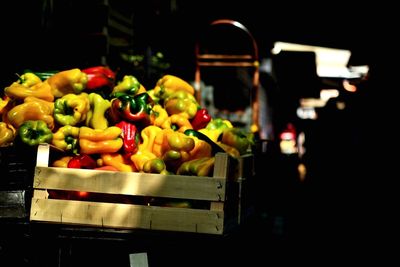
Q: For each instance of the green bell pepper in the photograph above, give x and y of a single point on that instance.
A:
(71, 109)
(35, 132)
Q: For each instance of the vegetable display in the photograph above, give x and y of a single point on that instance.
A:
(98, 122)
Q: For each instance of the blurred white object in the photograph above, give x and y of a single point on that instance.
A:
(331, 62)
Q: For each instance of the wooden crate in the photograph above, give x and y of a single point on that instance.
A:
(220, 196)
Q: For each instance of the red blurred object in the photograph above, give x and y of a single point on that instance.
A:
(289, 133)
(82, 161)
(82, 194)
(288, 140)
(99, 76)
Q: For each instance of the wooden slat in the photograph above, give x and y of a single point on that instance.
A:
(127, 216)
(40, 194)
(138, 184)
(43, 154)
(221, 165)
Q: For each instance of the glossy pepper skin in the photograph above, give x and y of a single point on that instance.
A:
(33, 110)
(201, 148)
(181, 102)
(7, 134)
(214, 147)
(238, 139)
(96, 116)
(96, 141)
(135, 109)
(118, 161)
(35, 132)
(232, 151)
(215, 128)
(128, 86)
(82, 161)
(61, 162)
(201, 119)
(49, 104)
(3, 104)
(179, 123)
(167, 140)
(71, 109)
(197, 167)
(173, 148)
(145, 151)
(29, 79)
(130, 136)
(99, 77)
(169, 84)
(66, 82)
(156, 165)
(31, 86)
(161, 118)
(66, 138)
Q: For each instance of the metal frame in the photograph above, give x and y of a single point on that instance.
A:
(232, 60)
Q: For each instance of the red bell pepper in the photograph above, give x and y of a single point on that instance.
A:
(99, 76)
(130, 135)
(82, 161)
(201, 119)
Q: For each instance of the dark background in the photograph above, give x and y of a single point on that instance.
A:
(54, 34)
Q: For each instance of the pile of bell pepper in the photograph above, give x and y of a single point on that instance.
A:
(98, 122)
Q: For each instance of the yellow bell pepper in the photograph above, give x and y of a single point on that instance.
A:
(197, 167)
(7, 134)
(35, 110)
(97, 141)
(179, 123)
(29, 79)
(155, 166)
(173, 147)
(45, 102)
(141, 157)
(40, 90)
(145, 149)
(181, 102)
(117, 161)
(168, 139)
(66, 138)
(67, 82)
(201, 149)
(161, 118)
(4, 102)
(168, 84)
(229, 149)
(62, 162)
(96, 116)
(215, 128)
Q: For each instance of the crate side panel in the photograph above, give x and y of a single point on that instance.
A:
(126, 216)
(140, 184)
